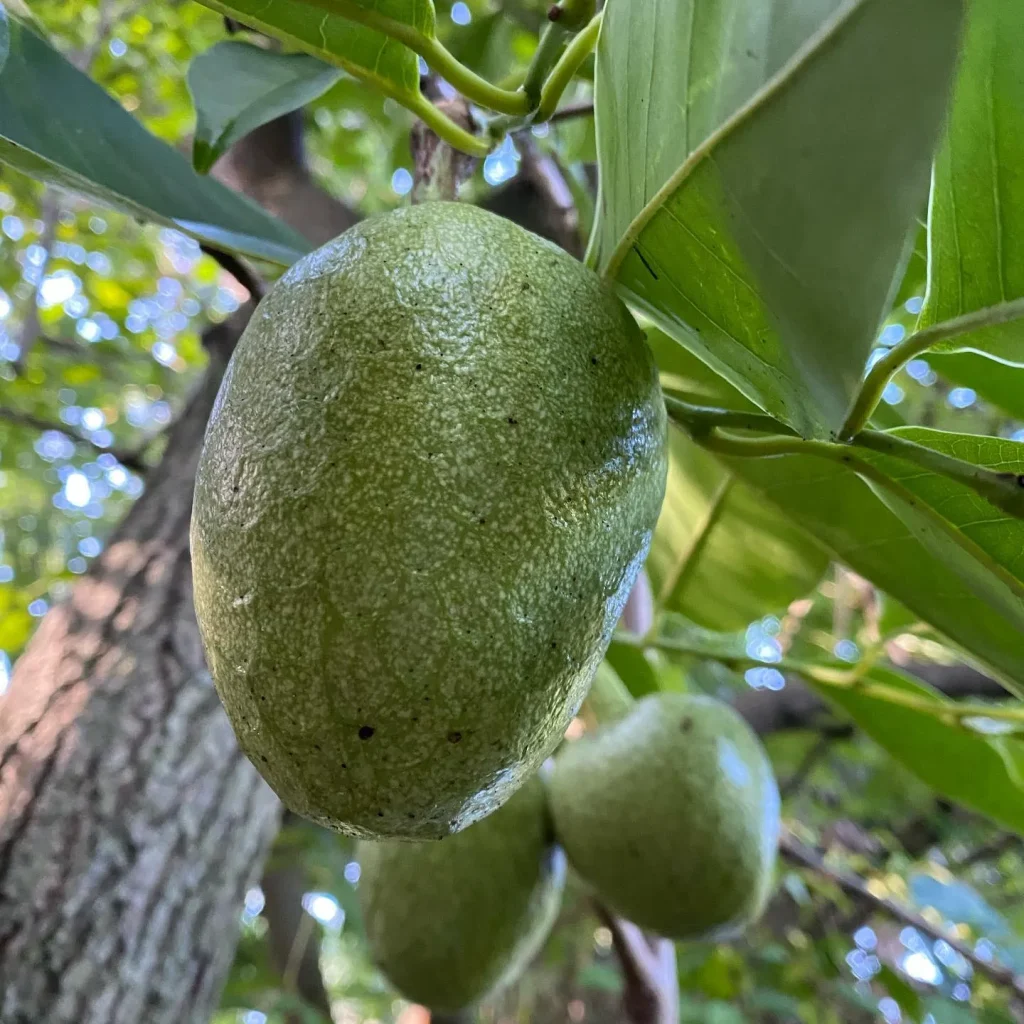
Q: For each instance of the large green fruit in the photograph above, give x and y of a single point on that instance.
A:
(672, 815)
(449, 921)
(429, 481)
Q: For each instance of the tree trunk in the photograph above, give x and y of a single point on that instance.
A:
(130, 824)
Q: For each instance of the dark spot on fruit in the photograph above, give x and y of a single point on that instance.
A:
(593, 360)
(263, 758)
(419, 366)
(513, 421)
(482, 521)
(343, 765)
(366, 731)
(380, 814)
(414, 718)
(526, 286)
(410, 815)
(316, 746)
(554, 644)
(454, 737)
(686, 724)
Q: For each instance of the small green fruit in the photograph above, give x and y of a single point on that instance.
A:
(428, 483)
(450, 921)
(672, 815)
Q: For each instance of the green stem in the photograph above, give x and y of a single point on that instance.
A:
(939, 709)
(898, 356)
(544, 59)
(476, 89)
(1004, 490)
(700, 419)
(445, 128)
(565, 70)
(846, 455)
(549, 74)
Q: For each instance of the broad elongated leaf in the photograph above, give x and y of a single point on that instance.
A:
(976, 220)
(718, 555)
(390, 65)
(236, 87)
(969, 591)
(975, 770)
(57, 125)
(773, 248)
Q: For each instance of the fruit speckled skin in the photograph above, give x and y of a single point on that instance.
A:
(428, 483)
(672, 815)
(450, 921)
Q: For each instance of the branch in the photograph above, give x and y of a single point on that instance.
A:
(129, 458)
(796, 706)
(571, 110)
(799, 853)
(238, 270)
(651, 994)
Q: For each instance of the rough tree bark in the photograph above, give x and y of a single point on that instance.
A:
(130, 824)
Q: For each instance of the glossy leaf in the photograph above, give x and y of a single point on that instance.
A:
(976, 221)
(773, 248)
(389, 65)
(956, 761)
(57, 125)
(718, 555)
(968, 591)
(236, 87)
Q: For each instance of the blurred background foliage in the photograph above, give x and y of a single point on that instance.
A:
(100, 321)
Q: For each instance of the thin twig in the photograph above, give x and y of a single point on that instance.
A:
(129, 458)
(238, 270)
(651, 993)
(585, 108)
(803, 770)
(799, 853)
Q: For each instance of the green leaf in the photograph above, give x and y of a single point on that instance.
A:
(718, 555)
(998, 384)
(362, 51)
(236, 87)
(955, 761)
(968, 591)
(57, 125)
(976, 221)
(774, 247)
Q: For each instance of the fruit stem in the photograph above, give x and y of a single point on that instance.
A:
(702, 419)
(440, 167)
(898, 356)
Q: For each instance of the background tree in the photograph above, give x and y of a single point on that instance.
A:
(837, 593)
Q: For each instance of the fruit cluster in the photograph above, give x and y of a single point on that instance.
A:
(670, 815)
(427, 487)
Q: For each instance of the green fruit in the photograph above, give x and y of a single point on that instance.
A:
(672, 815)
(449, 921)
(428, 483)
